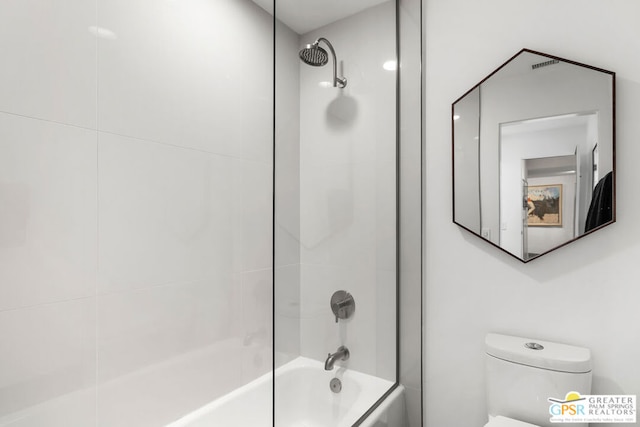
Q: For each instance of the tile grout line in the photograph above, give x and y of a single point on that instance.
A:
(96, 294)
(137, 138)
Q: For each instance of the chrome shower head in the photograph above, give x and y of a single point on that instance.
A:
(314, 55)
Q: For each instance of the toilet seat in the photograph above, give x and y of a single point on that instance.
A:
(501, 421)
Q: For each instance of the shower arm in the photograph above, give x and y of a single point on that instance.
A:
(336, 80)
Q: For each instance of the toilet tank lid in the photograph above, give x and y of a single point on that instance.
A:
(553, 356)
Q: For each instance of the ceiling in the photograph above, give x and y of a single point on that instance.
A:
(548, 123)
(303, 16)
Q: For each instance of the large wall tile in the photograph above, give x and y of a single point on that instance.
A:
(166, 391)
(287, 313)
(140, 328)
(257, 303)
(255, 226)
(386, 324)
(338, 213)
(49, 60)
(136, 235)
(48, 352)
(257, 297)
(166, 214)
(48, 217)
(287, 155)
(164, 351)
(193, 73)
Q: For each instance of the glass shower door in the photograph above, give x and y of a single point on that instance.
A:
(335, 281)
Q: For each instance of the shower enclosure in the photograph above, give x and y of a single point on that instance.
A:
(181, 196)
(335, 205)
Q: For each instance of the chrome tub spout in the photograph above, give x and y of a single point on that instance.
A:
(341, 354)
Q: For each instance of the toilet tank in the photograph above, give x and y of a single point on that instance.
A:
(522, 373)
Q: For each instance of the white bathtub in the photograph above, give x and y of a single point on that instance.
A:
(303, 399)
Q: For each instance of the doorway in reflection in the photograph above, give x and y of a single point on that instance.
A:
(552, 158)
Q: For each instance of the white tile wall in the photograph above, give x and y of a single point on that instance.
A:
(135, 233)
(141, 328)
(347, 194)
(166, 214)
(164, 392)
(48, 218)
(340, 220)
(47, 351)
(287, 313)
(257, 314)
(135, 157)
(49, 60)
(287, 196)
(256, 235)
(178, 72)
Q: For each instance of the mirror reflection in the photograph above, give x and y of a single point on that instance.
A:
(533, 154)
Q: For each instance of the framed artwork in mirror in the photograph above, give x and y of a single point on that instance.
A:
(544, 204)
(533, 154)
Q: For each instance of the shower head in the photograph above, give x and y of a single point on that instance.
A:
(314, 55)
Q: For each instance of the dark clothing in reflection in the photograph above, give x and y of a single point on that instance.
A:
(601, 208)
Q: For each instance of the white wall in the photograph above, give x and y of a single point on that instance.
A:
(135, 230)
(585, 293)
(347, 193)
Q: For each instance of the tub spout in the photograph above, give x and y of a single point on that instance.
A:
(341, 354)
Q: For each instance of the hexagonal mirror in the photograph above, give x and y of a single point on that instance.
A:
(534, 154)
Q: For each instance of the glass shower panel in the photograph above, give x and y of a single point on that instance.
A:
(335, 210)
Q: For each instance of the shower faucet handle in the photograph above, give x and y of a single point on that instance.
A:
(343, 305)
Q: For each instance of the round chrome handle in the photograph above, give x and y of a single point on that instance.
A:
(342, 305)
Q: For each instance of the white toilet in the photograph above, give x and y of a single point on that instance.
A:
(522, 373)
